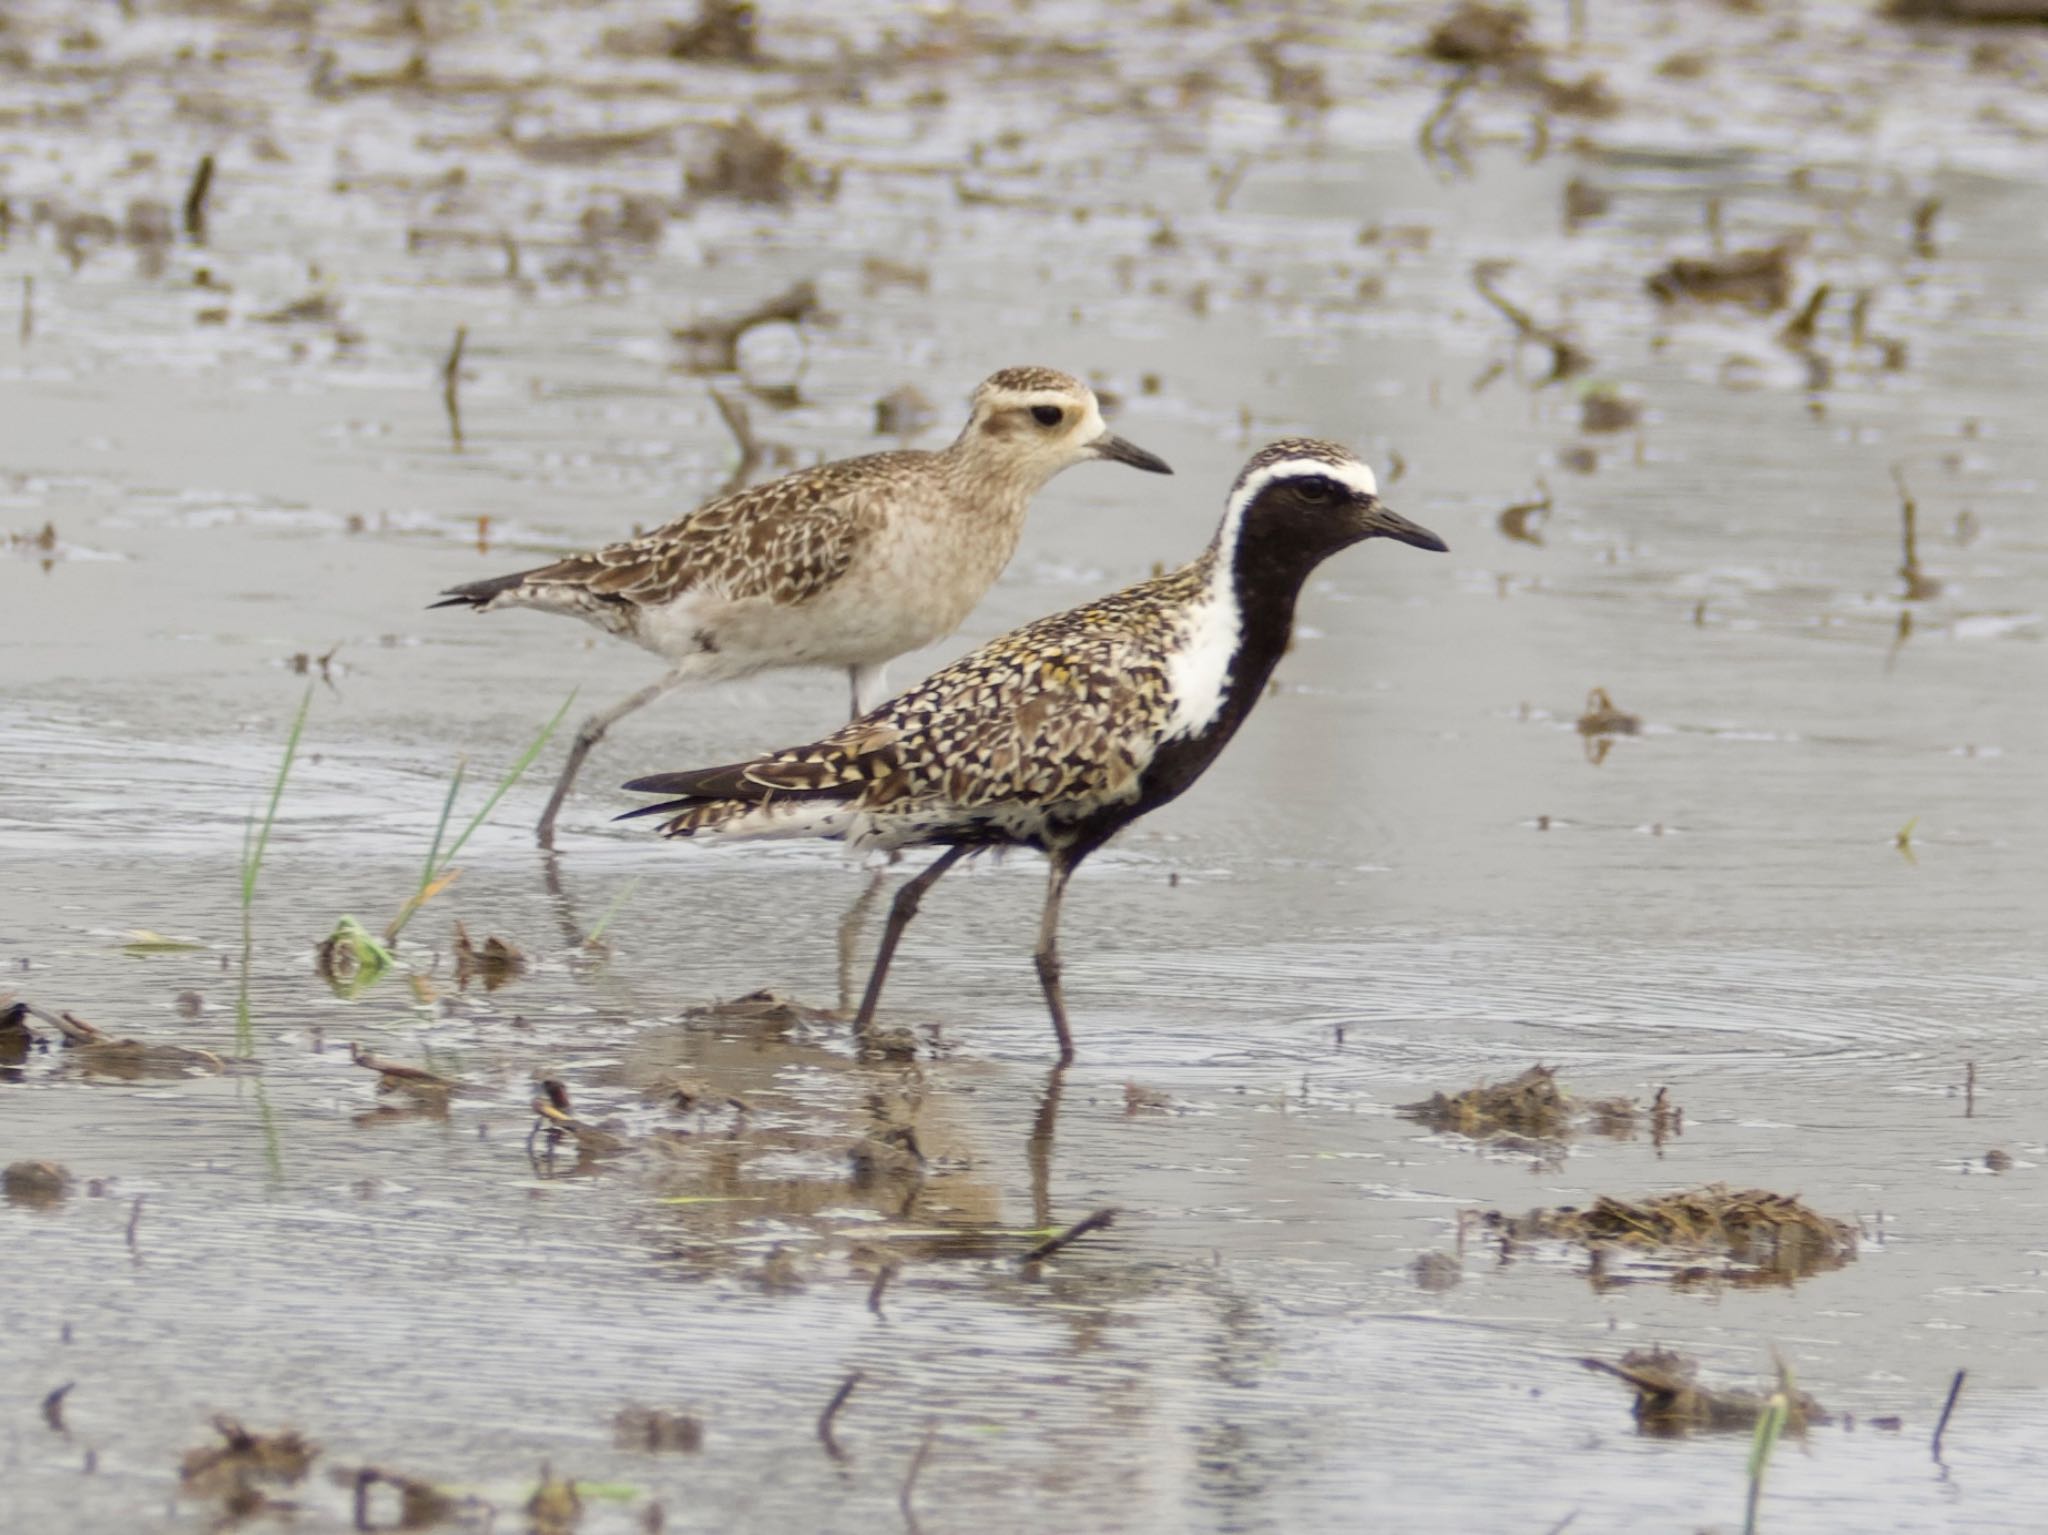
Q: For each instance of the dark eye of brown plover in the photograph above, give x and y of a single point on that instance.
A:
(1048, 415)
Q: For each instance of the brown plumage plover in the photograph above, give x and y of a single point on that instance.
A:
(849, 564)
(1059, 734)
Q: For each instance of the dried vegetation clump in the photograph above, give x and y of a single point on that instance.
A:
(36, 1185)
(1760, 280)
(656, 1429)
(1532, 1106)
(722, 32)
(748, 165)
(1768, 1238)
(231, 1471)
(93, 1051)
(712, 345)
(1670, 1402)
(494, 961)
(1476, 36)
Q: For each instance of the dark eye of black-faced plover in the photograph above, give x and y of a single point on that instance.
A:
(846, 565)
(1059, 734)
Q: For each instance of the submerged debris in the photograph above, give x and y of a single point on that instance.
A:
(1602, 718)
(1567, 358)
(92, 1049)
(1530, 1104)
(494, 961)
(555, 1507)
(1758, 279)
(413, 1081)
(1476, 35)
(230, 1471)
(763, 1009)
(1300, 88)
(904, 412)
(723, 32)
(16, 1037)
(556, 1119)
(712, 346)
(1999, 12)
(750, 166)
(1437, 1271)
(1517, 521)
(1671, 1402)
(1603, 408)
(36, 1185)
(1765, 1237)
(420, 1504)
(1533, 1106)
(653, 1428)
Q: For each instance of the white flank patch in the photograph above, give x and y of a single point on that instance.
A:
(1200, 669)
(788, 819)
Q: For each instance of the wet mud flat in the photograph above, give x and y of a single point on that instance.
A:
(1618, 947)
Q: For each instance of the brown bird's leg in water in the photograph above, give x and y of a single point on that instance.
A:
(901, 910)
(1047, 954)
(588, 734)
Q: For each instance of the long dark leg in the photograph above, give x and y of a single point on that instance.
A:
(1047, 955)
(901, 910)
(588, 734)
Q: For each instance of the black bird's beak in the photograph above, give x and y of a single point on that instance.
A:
(1114, 448)
(1380, 521)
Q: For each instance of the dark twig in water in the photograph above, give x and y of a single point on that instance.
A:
(451, 385)
(1925, 213)
(917, 1461)
(1230, 180)
(881, 1283)
(832, 1447)
(394, 1070)
(1514, 520)
(135, 1224)
(1052, 1244)
(1970, 1091)
(1919, 585)
(1564, 1524)
(741, 425)
(53, 1407)
(28, 309)
(1566, 358)
(1955, 1389)
(195, 200)
(1426, 137)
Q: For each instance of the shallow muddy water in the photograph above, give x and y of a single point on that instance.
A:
(1804, 896)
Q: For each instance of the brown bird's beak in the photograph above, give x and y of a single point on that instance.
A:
(1114, 448)
(1380, 521)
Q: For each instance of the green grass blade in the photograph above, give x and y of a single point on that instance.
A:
(611, 911)
(441, 828)
(254, 863)
(1768, 1429)
(518, 771)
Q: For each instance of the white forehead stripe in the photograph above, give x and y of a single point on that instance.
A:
(1351, 472)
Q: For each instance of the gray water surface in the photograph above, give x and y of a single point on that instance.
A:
(1409, 874)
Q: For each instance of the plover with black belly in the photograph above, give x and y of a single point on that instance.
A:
(1059, 734)
(849, 564)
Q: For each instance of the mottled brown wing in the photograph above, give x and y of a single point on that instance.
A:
(1051, 713)
(786, 541)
